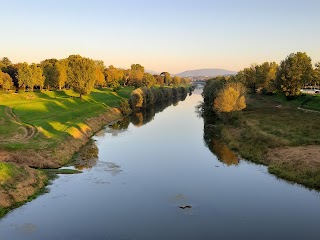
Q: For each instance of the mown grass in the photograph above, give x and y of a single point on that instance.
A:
(272, 122)
(56, 114)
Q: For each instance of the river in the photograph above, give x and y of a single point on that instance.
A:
(140, 172)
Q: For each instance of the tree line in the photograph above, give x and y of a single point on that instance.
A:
(226, 94)
(293, 73)
(79, 73)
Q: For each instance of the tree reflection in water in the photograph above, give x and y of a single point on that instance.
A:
(217, 147)
(87, 157)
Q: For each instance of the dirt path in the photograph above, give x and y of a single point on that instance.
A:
(24, 131)
(308, 110)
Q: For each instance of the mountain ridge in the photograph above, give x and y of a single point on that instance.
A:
(206, 72)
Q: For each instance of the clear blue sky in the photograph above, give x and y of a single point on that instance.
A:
(161, 35)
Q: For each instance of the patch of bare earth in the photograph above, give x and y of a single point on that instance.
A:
(306, 157)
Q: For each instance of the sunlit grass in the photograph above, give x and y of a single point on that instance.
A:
(6, 171)
(56, 114)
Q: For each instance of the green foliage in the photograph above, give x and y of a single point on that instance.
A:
(5, 81)
(211, 90)
(144, 97)
(125, 107)
(148, 80)
(167, 78)
(136, 75)
(293, 73)
(259, 77)
(176, 80)
(114, 77)
(81, 74)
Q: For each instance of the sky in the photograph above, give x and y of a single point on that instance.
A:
(161, 35)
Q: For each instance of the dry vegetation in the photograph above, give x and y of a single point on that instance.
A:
(275, 132)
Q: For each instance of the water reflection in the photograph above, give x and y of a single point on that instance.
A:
(216, 146)
(87, 157)
(143, 116)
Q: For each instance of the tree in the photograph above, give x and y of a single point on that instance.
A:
(266, 74)
(185, 80)
(159, 79)
(148, 80)
(316, 76)
(5, 81)
(81, 74)
(230, 99)
(248, 77)
(50, 72)
(114, 77)
(176, 80)
(12, 70)
(167, 78)
(5, 62)
(61, 73)
(293, 73)
(37, 77)
(100, 78)
(136, 75)
(24, 76)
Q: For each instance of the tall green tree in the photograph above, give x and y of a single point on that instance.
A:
(81, 74)
(50, 72)
(266, 75)
(24, 76)
(37, 77)
(61, 73)
(294, 72)
(248, 77)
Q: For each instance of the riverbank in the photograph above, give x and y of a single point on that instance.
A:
(43, 130)
(274, 132)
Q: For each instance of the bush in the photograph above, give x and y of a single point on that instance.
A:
(136, 99)
(125, 107)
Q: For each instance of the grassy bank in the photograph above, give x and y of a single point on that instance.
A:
(54, 114)
(274, 132)
(19, 184)
(44, 129)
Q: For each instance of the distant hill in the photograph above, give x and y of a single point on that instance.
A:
(208, 72)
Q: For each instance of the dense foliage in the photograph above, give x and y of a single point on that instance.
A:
(79, 73)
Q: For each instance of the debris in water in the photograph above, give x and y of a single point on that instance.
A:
(185, 206)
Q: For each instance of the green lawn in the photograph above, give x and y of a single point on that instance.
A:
(55, 114)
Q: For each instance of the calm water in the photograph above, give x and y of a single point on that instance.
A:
(143, 173)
